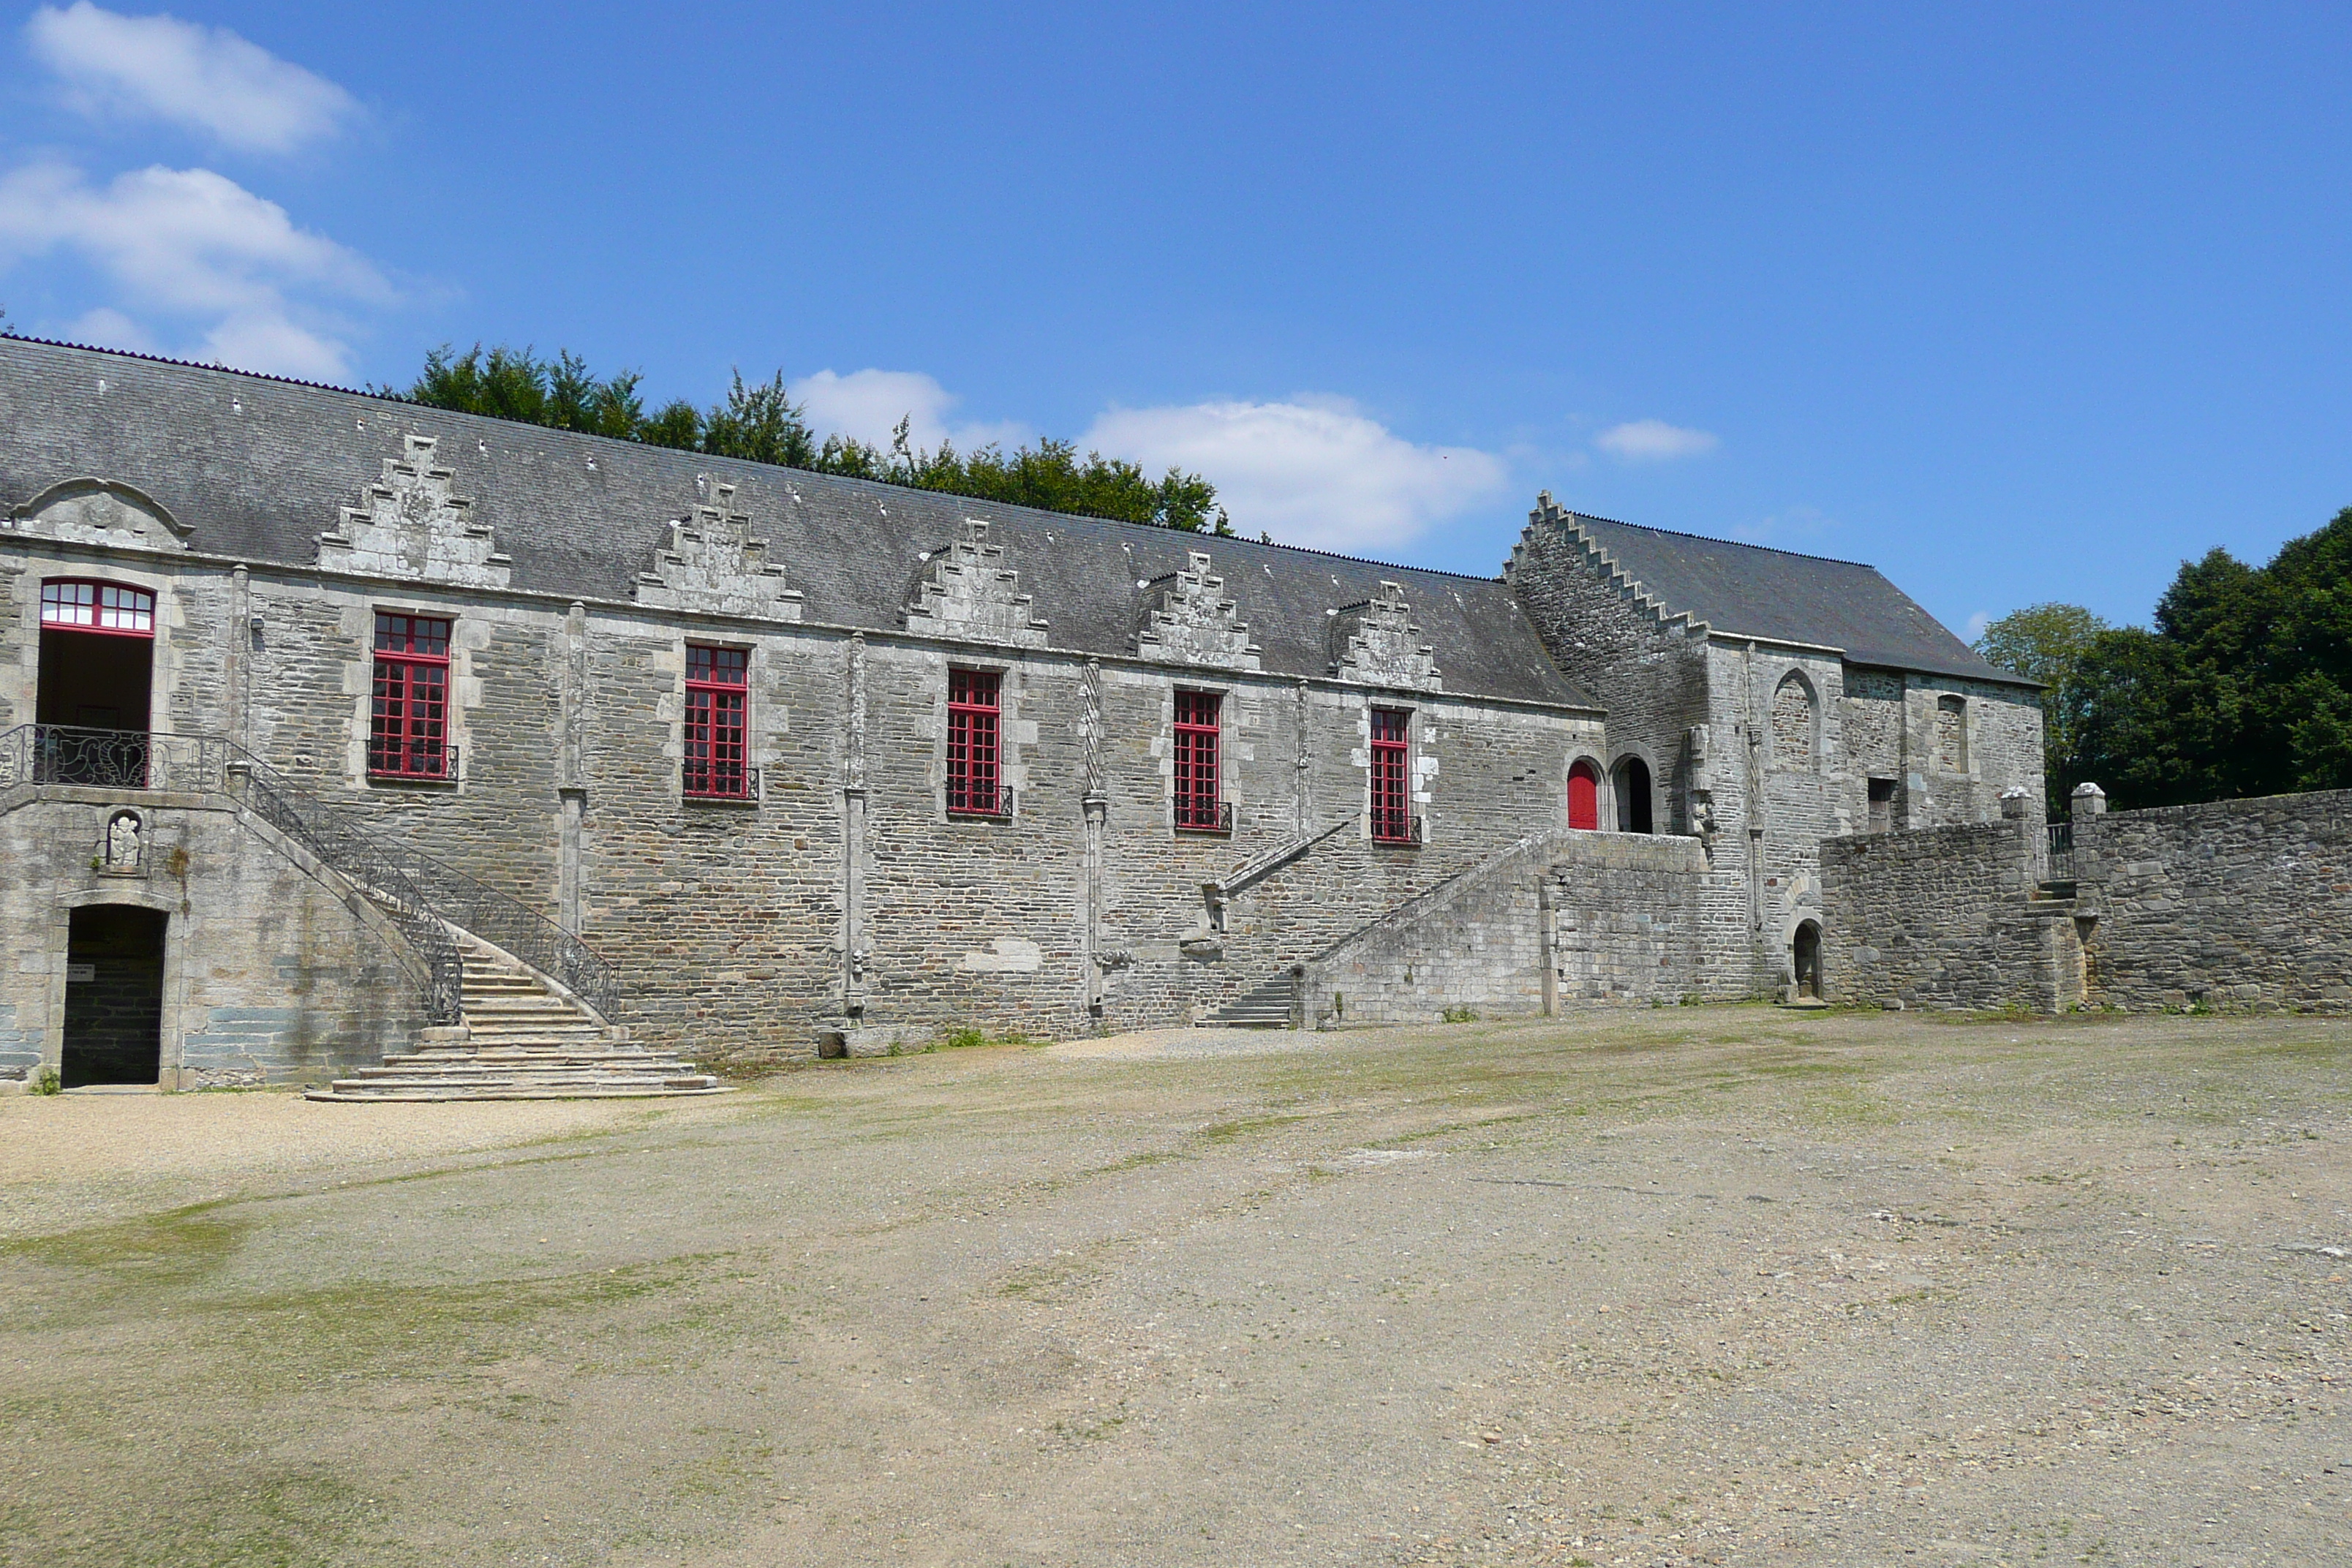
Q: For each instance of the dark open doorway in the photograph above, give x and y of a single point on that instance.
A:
(1807, 953)
(96, 665)
(1633, 796)
(114, 995)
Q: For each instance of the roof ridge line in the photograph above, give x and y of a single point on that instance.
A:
(1735, 543)
(622, 443)
(1628, 586)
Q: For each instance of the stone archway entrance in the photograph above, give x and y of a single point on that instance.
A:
(1805, 954)
(114, 995)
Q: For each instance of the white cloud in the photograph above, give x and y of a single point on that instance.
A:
(190, 243)
(1652, 441)
(868, 403)
(110, 329)
(1314, 472)
(204, 78)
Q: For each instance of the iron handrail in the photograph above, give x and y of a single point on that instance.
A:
(423, 897)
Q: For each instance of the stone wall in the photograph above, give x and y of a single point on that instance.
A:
(275, 969)
(1559, 919)
(844, 890)
(2233, 904)
(1947, 918)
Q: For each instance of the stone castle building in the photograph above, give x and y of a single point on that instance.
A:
(325, 716)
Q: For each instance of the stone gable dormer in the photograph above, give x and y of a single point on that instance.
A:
(100, 511)
(1187, 619)
(410, 523)
(711, 562)
(1558, 521)
(967, 591)
(1375, 642)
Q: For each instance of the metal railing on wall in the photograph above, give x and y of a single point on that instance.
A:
(422, 896)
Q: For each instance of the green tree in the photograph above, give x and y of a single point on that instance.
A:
(759, 422)
(2044, 642)
(2244, 688)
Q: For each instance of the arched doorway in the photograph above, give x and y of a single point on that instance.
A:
(1805, 956)
(1584, 796)
(114, 995)
(1633, 781)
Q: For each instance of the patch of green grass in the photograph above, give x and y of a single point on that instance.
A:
(176, 1247)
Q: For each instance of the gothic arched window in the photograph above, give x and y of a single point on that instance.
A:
(1793, 723)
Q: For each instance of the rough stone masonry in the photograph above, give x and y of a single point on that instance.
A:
(956, 771)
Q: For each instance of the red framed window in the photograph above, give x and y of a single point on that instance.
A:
(408, 722)
(1198, 808)
(1584, 797)
(974, 787)
(718, 682)
(114, 609)
(1392, 803)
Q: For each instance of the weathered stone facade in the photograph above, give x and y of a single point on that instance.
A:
(2236, 904)
(841, 896)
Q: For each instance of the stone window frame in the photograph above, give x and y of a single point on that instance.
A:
(1804, 681)
(1406, 824)
(748, 794)
(452, 751)
(1221, 817)
(1006, 804)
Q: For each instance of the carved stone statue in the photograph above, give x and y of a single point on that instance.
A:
(122, 841)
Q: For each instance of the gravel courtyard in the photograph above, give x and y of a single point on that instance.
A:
(1709, 1285)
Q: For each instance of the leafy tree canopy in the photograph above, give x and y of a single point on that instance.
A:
(759, 422)
(2244, 687)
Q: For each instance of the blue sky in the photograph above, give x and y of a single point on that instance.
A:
(2017, 302)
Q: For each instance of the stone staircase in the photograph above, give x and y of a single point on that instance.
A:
(520, 1040)
(1265, 1006)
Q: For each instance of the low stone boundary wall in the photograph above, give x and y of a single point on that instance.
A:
(2233, 904)
(1946, 918)
(1559, 918)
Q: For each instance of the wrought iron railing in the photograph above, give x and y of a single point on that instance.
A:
(983, 800)
(2058, 858)
(423, 895)
(733, 782)
(1205, 816)
(1390, 828)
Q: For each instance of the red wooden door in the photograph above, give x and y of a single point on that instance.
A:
(1583, 797)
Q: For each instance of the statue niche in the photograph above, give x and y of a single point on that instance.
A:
(410, 524)
(1191, 621)
(711, 562)
(967, 591)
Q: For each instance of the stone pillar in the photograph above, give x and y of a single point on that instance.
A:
(1095, 811)
(236, 656)
(2028, 840)
(570, 772)
(2089, 800)
(1547, 944)
(854, 950)
(1302, 801)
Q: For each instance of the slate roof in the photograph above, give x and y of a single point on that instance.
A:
(1746, 588)
(258, 466)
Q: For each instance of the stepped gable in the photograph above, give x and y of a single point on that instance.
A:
(1188, 620)
(412, 523)
(968, 590)
(1747, 590)
(1376, 642)
(711, 563)
(259, 467)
